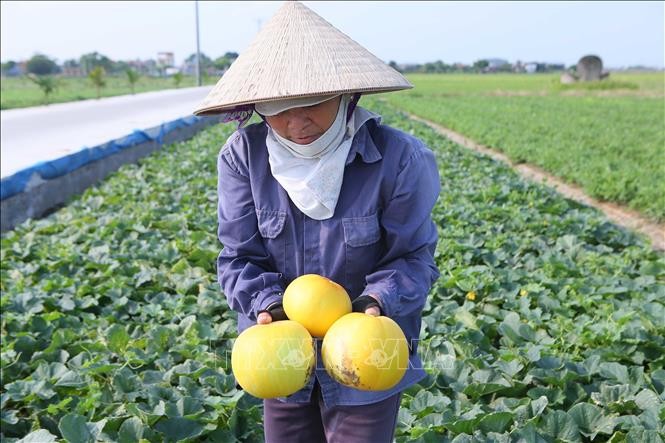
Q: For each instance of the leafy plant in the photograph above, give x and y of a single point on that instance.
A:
(46, 83)
(132, 78)
(97, 77)
(177, 79)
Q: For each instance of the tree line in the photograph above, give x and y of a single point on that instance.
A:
(41, 64)
(478, 66)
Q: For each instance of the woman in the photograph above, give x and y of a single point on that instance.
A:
(321, 187)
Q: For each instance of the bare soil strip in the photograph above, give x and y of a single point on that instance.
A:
(619, 215)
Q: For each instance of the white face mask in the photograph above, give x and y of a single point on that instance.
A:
(312, 174)
(328, 141)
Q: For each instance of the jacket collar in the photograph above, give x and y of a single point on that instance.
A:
(363, 144)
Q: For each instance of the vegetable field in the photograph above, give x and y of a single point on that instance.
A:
(547, 324)
(607, 137)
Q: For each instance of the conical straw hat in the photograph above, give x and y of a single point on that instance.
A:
(299, 54)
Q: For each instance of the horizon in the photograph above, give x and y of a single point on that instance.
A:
(623, 34)
(60, 63)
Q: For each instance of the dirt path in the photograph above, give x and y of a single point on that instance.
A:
(619, 215)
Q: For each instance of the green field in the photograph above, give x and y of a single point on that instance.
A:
(547, 324)
(21, 92)
(611, 141)
(651, 84)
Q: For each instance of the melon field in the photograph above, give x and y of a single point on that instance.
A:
(547, 324)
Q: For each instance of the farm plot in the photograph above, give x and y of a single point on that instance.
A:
(609, 142)
(548, 322)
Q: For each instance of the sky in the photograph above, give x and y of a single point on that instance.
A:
(622, 33)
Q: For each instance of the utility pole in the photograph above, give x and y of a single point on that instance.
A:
(198, 49)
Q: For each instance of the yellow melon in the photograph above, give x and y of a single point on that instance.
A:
(273, 360)
(315, 302)
(365, 352)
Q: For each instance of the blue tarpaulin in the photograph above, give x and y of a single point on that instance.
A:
(48, 170)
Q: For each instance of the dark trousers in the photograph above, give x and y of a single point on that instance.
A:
(313, 422)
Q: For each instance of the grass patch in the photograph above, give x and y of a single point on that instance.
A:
(19, 92)
(602, 85)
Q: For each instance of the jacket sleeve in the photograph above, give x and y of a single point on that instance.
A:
(406, 272)
(243, 266)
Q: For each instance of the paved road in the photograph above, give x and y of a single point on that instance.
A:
(31, 135)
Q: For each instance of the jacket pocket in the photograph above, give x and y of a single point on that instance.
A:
(271, 223)
(362, 237)
(271, 227)
(361, 231)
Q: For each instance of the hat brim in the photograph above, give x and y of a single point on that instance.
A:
(233, 107)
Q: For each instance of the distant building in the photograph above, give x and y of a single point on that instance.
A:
(16, 70)
(171, 71)
(23, 66)
(144, 67)
(494, 64)
(531, 68)
(534, 67)
(165, 59)
(72, 68)
(188, 68)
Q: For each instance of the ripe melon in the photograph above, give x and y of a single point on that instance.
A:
(365, 352)
(273, 360)
(315, 302)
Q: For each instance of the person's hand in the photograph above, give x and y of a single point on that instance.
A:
(373, 311)
(264, 318)
(274, 312)
(367, 304)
